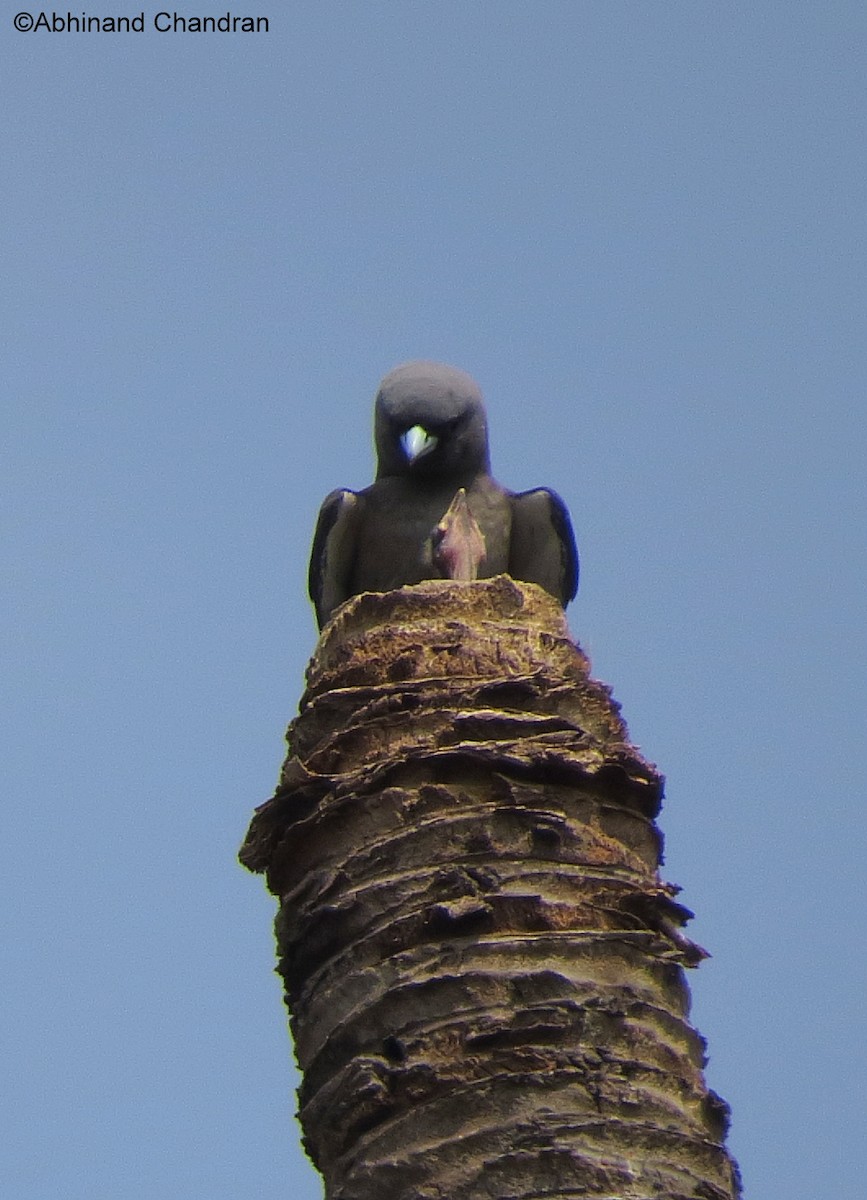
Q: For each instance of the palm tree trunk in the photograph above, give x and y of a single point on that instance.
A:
(483, 968)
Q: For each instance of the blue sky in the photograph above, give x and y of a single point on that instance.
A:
(641, 227)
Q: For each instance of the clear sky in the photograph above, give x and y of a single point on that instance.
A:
(641, 227)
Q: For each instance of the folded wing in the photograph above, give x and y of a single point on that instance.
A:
(542, 548)
(332, 557)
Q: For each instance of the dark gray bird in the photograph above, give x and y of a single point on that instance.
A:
(434, 512)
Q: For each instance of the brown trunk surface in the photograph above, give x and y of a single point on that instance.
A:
(482, 965)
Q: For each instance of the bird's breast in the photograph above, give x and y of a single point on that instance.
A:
(395, 544)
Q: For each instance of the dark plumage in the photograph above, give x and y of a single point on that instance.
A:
(432, 443)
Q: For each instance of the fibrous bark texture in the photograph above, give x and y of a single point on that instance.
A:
(483, 968)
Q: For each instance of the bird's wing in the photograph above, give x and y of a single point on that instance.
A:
(542, 548)
(333, 554)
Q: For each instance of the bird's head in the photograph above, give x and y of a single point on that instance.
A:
(430, 422)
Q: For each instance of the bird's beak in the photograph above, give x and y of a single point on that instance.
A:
(417, 441)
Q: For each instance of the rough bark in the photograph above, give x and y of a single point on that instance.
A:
(482, 965)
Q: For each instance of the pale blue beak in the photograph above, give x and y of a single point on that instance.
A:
(417, 441)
